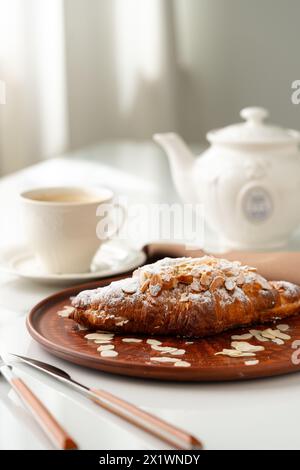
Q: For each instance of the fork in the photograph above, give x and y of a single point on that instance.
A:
(54, 431)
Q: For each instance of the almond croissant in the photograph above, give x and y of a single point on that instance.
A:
(191, 297)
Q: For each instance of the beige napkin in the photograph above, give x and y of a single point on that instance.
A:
(276, 265)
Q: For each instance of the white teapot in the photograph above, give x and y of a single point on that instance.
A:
(248, 180)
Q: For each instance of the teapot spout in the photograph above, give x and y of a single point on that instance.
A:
(181, 162)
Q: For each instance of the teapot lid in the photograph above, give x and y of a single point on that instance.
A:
(253, 131)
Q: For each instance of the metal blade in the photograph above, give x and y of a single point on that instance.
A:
(49, 369)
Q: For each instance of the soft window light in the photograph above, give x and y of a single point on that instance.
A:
(138, 39)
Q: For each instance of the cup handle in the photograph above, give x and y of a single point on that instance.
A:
(120, 207)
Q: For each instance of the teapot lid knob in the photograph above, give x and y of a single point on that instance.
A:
(254, 115)
(253, 131)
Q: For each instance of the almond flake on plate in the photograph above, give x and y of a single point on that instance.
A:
(106, 347)
(109, 353)
(234, 353)
(153, 341)
(279, 334)
(243, 346)
(189, 342)
(230, 352)
(252, 363)
(258, 336)
(182, 364)
(81, 327)
(131, 340)
(241, 337)
(278, 341)
(178, 352)
(103, 341)
(166, 349)
(271, 334)
(268, 334)
(163, 359)
(99, 336)
(247, 354)
(283, 327)
(66, 311)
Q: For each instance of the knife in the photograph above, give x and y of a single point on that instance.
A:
(57, 435)
(155, 426)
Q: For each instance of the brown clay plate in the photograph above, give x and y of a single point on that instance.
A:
(61, 337)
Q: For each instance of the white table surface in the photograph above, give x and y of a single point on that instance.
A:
(239, 415)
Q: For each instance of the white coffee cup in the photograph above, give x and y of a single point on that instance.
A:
(60, 225)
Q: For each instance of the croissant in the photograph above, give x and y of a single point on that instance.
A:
(190, 297)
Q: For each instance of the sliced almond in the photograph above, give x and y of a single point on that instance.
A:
(234, 353)
(131, 340)
(205, 279)
(66, 311)
(283, 327)
(182, 364)
(156, 280)
(154, 289)
(184, 298)
(217, 282)
(145, 286)
(163, 359)
(279, 334)
(248, 354)
(230, 284)
(121, 321)
(142, 275)
(268, 333)
(106, 347)
(263, 282)
(165, 349)
(243, 346)
(153, 341)
(129, 286)
(258, 336)
(109, 353)
(100, 336)
(81, 327)
(252, 363)
(240, 279)
(102, 341)
(250, 269)
(169, 281)
(178, 352)
(196, 272)
(241, 337)
(185, 278)
(196, 286)
(278, 341)
(229, 352)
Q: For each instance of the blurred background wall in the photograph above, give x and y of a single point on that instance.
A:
(78, 72)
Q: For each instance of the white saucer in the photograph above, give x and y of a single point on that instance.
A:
(111, 259)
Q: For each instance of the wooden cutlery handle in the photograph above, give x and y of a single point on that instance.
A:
(48, 423)
(159, 428)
